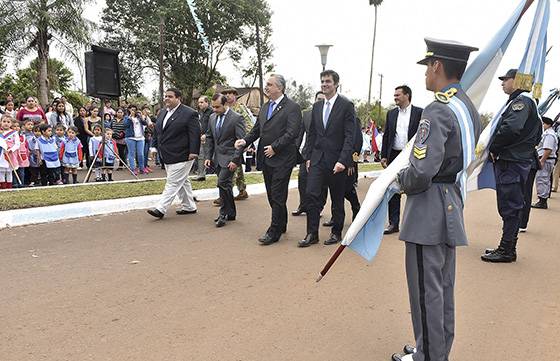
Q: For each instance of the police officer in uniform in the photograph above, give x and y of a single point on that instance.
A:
(512, 150)
(433, 216)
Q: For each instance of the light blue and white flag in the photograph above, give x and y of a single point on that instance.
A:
(531, 70)
(192, 7)
(366, 231)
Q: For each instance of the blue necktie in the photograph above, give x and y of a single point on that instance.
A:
(270, 110)
(327, 113)
(219, 125)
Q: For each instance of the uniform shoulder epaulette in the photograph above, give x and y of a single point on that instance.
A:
(444, 97)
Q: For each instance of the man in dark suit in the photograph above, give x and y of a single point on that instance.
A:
(330, 142)
(204, 111)
(277, 126)
(224, 128)
(302, 146)
(177, 139)
(400, 126)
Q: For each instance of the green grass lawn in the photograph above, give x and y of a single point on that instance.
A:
(49, 196)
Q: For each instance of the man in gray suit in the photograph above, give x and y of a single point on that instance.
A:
(433, 217)
(224, 127)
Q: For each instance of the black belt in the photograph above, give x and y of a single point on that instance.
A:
(448, 179)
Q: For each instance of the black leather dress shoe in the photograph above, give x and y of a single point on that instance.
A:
(310, 239)
(499, 256)
(399, 357)
(328, 223)
(333, 239)
(492, 250)
(227, 218)
(155, 213)
(409, 349)
(184, 211)
(222, 221)
(391, 229)
(298, 212)
(269, 238)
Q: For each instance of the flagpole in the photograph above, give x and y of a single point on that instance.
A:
(331, 262)
(527, 5)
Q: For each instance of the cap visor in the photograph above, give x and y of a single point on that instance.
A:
(502, 78)
(423, 61)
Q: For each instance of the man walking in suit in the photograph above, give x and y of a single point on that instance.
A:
(278, 126)
(224, 128)
(330, 142)
(400, 126)
(302, 146)
(204, 111)
(177, 139)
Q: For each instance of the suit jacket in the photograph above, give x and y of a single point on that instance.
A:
(303, 134)
(280, 131)
(180, 137)
(335, 143)
(391, 128)
(221, 149)
(203, 119)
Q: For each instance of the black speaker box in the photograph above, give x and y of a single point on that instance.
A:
(103, 77)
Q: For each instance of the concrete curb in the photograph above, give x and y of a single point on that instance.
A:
(22, 217)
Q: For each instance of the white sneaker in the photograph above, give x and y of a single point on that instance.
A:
(522, 230)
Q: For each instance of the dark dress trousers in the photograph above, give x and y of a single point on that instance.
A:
(302, 175)
(221, 151)
(390, 154)
(327, 146)
(180, 137)
(279, 131)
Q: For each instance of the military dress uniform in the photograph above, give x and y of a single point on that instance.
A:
(517, 133)
(433, 222)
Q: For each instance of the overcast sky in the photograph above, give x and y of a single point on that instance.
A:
(299, 25)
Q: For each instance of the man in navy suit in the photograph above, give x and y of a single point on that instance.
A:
(400, 126)
(277, 128)
(331, 143)
(177, 139)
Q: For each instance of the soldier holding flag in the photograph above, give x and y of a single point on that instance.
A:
(434, 183)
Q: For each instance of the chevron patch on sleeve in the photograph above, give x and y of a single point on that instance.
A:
(420, 151)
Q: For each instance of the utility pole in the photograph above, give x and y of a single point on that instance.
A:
(380, 94)
(161, 69)
(259, 63)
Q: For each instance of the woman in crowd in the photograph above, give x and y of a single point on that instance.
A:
(83, 133)
(134, 136)
(118, 133)
(60, 116)
(32, 111)
(92, 120)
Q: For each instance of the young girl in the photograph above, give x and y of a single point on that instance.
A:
(59, 137)
(108, 153)
(22, 155)
(35, 171)
(71, 155)
(94, 143)
(9, 145)
(48, 151)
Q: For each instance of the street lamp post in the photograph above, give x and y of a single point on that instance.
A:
(324, 50)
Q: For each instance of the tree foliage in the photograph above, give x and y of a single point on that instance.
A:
(32, 25)
(25, 82)
(188, 65)
(301, 94)
(374, 111)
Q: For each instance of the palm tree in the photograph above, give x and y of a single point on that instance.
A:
(33, 25)
(375, 3)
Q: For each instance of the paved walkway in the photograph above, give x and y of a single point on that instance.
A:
(128, 287)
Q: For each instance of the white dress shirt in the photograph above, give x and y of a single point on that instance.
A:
(403, 120)
(169, 114)
(276, 102)
(331, 102)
